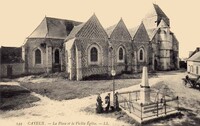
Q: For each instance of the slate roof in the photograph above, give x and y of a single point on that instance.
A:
(93, 29)
(141, 34)
(53, 28)
(159, 11)
(11, 54)
(195, 57)
(74, 31)
(159, 14)
(90, 29)
(156, 11)
(118, 31)
(194, 52)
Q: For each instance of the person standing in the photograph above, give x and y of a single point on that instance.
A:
(116, 103)
(99, 108)
(107, 101)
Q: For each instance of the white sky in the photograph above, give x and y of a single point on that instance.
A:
(20, 17)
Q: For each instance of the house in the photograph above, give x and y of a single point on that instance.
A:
(83, 49)
(193, 62)
(11, 63)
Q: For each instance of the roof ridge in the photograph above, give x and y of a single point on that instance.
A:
(61, 19)
(47, 28)
(10, 47)
(194, 57)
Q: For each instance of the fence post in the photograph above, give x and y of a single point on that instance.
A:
(136, 96)
(124, 105)
(141, 110)
(157, 107)
(165, 107)
(129, 102)
(0, 99)
(177, 103)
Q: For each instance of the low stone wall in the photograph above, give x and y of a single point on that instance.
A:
(103, 70)
(119, 69)
(94, 70)
(37, 70)
(17, 69)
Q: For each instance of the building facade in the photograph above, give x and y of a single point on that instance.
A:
(11, 62)
(193, 63)
(85, 49)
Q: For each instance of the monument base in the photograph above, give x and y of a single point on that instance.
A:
(145, 95)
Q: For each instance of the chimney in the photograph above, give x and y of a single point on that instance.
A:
(197, 49)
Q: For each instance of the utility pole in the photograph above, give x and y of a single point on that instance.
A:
(113, 73)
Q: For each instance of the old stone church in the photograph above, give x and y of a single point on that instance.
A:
(82, 49)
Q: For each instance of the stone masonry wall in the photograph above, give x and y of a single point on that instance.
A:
(33, 44)
(17, 69)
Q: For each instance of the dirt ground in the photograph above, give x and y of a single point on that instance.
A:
(72, 112)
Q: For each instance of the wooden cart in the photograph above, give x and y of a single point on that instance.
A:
(193, 82)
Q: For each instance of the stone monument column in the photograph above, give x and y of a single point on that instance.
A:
(144, 87)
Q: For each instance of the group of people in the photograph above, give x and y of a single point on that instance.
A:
(100, 108)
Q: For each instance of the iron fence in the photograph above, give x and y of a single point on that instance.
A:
(130, 101)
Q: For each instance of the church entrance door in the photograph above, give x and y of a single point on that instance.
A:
(155, 65)
(56, 64)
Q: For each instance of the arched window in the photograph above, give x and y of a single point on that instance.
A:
(141, 55)
(121, 54)
(57, 56)
(93, 54)
(38, 58)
